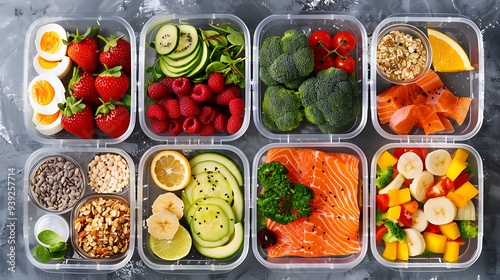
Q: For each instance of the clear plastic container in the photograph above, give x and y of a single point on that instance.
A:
(276, 25)
(313, 264)
(73, 261)
(470, 252)
(462, 84)
(148, 55)
(194, 262)
(107, 25)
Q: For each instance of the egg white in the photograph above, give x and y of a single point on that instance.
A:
(60, 68)
(48, 129)
(59, 94)
(51, 27)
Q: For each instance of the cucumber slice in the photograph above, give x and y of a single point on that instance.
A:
(210, 222)
(188, 41)
(167, 39)
(228, 250)
(210, 200)
(211, 184)
(222, 159)
(204, 59)
(195, 56)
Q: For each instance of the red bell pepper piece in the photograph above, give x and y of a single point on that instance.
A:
(462, 178)
(433, 228)
(380, 231)
(382, 201)
(407, 211)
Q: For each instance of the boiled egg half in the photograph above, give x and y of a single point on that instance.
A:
(59, 68)
(49, 42)
(44, 92)
(48, 124)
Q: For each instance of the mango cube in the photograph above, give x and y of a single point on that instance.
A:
(386, 159)
(435, 243)
(394, 212)
(390, 250)
(451, 251)
(460, 154)
(402, 252)
(400, 196)
(459, 201)
(456, 167)
(467, 191)
(450, 230)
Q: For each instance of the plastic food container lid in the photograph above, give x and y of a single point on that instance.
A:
(52, 222)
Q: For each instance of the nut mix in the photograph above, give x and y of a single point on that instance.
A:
(108, 173)
(102, 227)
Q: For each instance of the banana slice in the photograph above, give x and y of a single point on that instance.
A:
(440, 210)
(415, 241)
(419, 221)
(437, 162)
(472, 210)
(163, 224)
(395, 184)
(466, 212)
(410, 165)
(169, 201)
(420, 185)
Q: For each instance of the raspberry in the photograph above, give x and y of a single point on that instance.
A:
(207, 114)
(191, 124)
(181, 86)
(234, 124)
(220, 122)
(229, 93)
(168, 82)
(172, 108)
(175, 127)
(159, 126)
(162, 101)
(188, 106)
(216, 82)
(237, 107)
(157, 90)
(201, 92)
(156, 111)
(207, 130)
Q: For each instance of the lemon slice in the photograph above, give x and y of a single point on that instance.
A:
(172, 249)
(447, 54)
(170, 170)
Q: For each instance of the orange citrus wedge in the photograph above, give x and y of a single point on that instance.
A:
(447, 54)
(170, 170)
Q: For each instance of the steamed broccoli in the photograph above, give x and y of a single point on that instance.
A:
(394, 233)
(467, 229)
(331, 100)
(380, 217)
(384, 176)
(281, 108)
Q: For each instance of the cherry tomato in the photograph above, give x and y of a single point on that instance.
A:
(346, 63)
(321, 41)
(380, 232)
(344, 42)
(433, 228)
(439, 189)
(323, 63)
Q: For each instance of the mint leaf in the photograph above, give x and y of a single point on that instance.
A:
(58, 255)
(57, 247)
(42, 253)
(49, 237)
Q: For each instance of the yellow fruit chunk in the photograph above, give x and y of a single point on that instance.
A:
(450, 230)
(451, 251)
(402, 252)
(447, 54)
(455, 168)
(394, 212)
(460, 154)
(457, 200)
(404, 195)
(390, 250)
(386, 159)
(466, 191)
(170, 170)
(435, 243)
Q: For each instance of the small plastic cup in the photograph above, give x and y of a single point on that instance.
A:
(54, 223)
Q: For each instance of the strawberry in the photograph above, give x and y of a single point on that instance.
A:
(112, 84)
(207, 114)
(112, 118)
(157, 90)
(159, 126)
(172, 108)
(234, 124)
(188, 106)
(237, 107)
(156, 111)
(116, 52)
(216, 82)
(174, 127)
(207, 130)
(201, 92)
(83, 50)
(181, 86)
(230, 92)
(77, 118)
(168, 82)
(82, 86)
(191, 124)
(220, 122)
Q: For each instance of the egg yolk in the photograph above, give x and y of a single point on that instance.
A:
(50, 42)
(43, 92)
(47, 119)
(47, 64)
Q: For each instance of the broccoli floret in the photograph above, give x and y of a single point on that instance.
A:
(394, 232)
(304, 61)
(266, 77)
(384, 176)
(293, 40)
(331, 99)
(380, 217)
(283, 69)
(467, 229)
(270, 49)
(281, 108)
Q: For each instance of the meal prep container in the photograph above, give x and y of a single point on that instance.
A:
(470, 252)
(74, 262)
(107, 25)
(276, 25)
(318, 264)
(148, 191)
(148, 55)
(462, 84)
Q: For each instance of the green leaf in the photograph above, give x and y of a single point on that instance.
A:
(127, 100)
(58, 247)
(41, 253)
(226, 58)
(49, 237)
(215, 66)
(58, 255)
(236, 39)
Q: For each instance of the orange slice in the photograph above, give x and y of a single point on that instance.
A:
(447, 54)
(170, 170)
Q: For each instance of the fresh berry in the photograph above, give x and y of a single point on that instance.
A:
(172, 107)
(83, 50)
(229, 93)
(162, 101)
(82, 86)
(181, 86)
(112, 84)
(207, 130)
(168, 82)
(207, 114)
(220, 122)
(191, 124)
(159, 126)
(116, 52)
(174, 127)
(112, 118)
(157, 90)
(237, 107)
(234, 124)
(216, 82)
(188, 106)
(201, 92)
(77, 118)
(156, 111)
